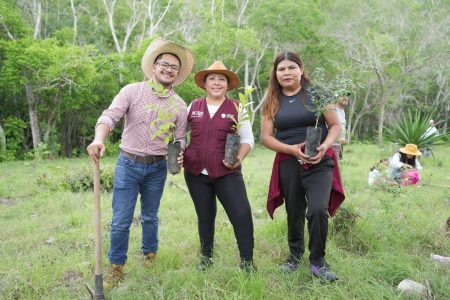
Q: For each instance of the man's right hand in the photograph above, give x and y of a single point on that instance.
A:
(96, 151)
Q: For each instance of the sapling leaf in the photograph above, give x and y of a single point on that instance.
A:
(242, 98)
(233, 118)
(242, 113)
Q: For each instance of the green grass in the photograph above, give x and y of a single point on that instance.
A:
(47, 239)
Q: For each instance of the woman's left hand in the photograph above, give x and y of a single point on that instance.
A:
(316, 159)
(237, 164)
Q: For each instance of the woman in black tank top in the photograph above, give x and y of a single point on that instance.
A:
(304, 182)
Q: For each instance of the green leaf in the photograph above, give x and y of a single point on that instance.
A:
(233, 118)
(242, 98)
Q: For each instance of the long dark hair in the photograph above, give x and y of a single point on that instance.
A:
(410, 161)
(271, 103)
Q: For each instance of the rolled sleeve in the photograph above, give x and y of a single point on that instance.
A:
(117, 109)
(245, 131)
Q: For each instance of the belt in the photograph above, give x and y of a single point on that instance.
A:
(148, 159)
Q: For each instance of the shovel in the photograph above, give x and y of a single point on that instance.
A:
(97, 292)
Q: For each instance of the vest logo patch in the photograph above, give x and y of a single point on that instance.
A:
(226, 116)
(197, 114)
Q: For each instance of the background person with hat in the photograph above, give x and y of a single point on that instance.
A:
(405, 166)
(207, 175)
(431, 131)
(141, 167)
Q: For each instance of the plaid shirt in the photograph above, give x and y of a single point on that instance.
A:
(136, 102)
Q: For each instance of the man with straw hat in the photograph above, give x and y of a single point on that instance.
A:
(141, 166)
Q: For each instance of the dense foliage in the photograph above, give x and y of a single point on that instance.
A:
(62, 62)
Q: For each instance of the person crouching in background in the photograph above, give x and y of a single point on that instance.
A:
(404, 165)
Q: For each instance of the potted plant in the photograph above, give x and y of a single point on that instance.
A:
(233, 140)
(324, 95)
(166, 127)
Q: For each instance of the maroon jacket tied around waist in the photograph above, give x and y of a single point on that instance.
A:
(206, 149)
(275, 196)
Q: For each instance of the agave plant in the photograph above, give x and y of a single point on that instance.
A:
(410, 129)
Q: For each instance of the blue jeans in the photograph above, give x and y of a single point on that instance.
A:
(130, 178)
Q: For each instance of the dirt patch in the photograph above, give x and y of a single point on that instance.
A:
(14, 200)
(6, 202)
(137, 221)
(72, 278)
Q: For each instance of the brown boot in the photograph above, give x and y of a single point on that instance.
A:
(115, 276)
(149, 259)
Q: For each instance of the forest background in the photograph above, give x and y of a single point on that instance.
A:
(62, 62)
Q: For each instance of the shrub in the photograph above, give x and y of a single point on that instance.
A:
(15, 135)
(79, 180)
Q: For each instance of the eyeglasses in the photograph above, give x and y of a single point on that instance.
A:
(165, 65)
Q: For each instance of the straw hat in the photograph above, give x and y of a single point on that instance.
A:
(160, 46)
(410, 149)
(217, 68)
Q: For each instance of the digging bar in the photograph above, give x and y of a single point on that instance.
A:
(97, 292)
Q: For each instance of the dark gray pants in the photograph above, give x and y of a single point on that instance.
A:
(307, 193)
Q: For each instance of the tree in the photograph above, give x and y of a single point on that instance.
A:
(392, 41)
(49, 72)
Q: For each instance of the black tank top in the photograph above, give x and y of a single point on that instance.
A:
(293, 117)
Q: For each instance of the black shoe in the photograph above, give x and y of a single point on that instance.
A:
(248, 266)
(204, 263)
(291, 264)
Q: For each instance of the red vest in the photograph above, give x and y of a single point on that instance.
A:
(206, 148)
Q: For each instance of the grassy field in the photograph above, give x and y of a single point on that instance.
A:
(381, 237)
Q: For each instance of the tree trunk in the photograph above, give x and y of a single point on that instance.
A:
(213, 10)
(382, 108)
(32, 111)
(242, 9)
(37, 15)
(2, 140)
(354, 117)
(75, 22)
(134, 19)
(447, 109)
(154, 19)
(11, 37)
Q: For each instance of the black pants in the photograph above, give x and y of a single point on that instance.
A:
(231, 192)
(307, 193)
